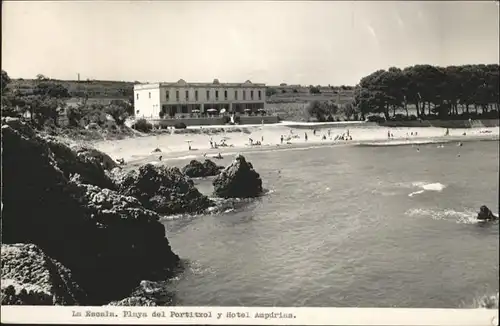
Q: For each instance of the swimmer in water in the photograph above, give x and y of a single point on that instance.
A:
(418, 149)
(460, 144)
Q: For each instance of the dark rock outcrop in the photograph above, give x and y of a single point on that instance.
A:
(29, 277)
(96, 156)
(90, 165)
(485, 214)
(238, 180)
(108, 241)
(163, 189)
(196, 169)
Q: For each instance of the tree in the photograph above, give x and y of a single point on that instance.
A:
(270, 91)
(119, 110)
(41, 77)
(5, 80)
(321, 110)
(314, 90)
(348, 110)
(433, 90)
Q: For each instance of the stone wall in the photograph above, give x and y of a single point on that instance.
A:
(486, 123)
(244, 120)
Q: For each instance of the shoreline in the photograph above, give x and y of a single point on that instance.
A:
(225, 151)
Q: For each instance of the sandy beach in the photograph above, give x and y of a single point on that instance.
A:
(174, 144)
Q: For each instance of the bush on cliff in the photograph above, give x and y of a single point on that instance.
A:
(142, 125)
(238, 180)
(180, 125)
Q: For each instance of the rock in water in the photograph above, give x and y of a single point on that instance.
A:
(29, 277)
(485, 214)
(108, 241)
(196, 169)
(238, 180)
(163, 189)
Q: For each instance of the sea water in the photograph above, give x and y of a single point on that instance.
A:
(348, 226)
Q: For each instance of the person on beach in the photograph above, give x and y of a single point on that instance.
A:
(329, 131)
(314, 132)
(324, 137)
(211, 143)
(305, 136)
(388, 134)
(262, 138)
(218, 156)
(281, 139)
(447, 132)
(347, 133)
(250, 141)
(392, 135)
(159, 158)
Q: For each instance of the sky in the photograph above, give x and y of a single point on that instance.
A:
(309, 42)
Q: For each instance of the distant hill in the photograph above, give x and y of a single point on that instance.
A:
(104, 89)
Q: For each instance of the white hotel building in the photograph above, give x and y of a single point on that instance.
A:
(168, 100)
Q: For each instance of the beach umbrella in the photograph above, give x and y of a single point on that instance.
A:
(211, 110)
(248, 110)
(223, 111)
(195, 111)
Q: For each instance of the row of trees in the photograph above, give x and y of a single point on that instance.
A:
(48, 101)
(430, 91)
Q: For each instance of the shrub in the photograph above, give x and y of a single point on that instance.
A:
(180, 125)
(375, 118)
(142, 125)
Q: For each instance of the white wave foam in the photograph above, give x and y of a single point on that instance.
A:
(468, 216)
(425, 186)
(415, 193)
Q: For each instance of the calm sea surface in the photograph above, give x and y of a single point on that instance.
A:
(349, 226)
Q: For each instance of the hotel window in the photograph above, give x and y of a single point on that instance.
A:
(187, 95)
(225, 95)
(216, 95)
(208, 95)
(167, 95)
(235, 95)
(260, 95)
(177, 95)
(196, 95)
(244, 94)
(251, 95)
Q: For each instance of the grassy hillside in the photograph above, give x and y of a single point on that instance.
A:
(94, 88)
(289, 103)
